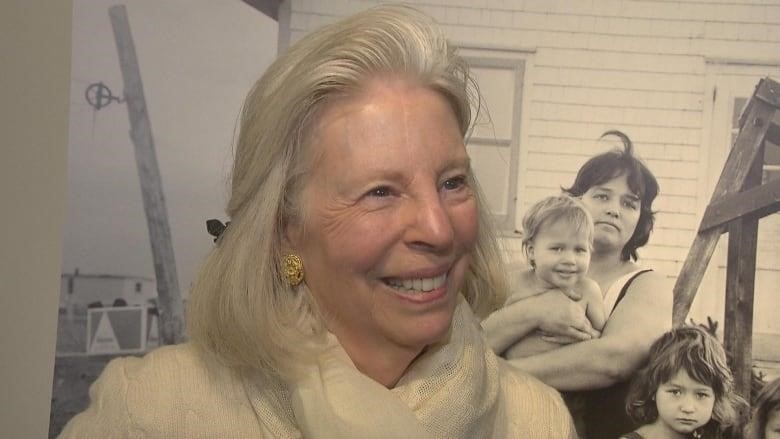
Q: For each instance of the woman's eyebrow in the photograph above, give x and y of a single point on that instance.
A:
(632, 197)
(458, 162)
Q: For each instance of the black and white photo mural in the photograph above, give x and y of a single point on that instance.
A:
(194, 61)
(554, 75)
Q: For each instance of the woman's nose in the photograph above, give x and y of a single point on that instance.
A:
(432, 228)
(613, 211)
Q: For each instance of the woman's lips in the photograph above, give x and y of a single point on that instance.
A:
(419, 290)
(417, 285)
(605, 223)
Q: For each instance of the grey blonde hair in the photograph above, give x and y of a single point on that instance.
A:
(241, 309)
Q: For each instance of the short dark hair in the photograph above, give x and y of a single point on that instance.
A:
(606, 166)
(694, 350)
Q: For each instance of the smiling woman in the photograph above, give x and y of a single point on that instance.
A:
(387, 230)
(342, 300)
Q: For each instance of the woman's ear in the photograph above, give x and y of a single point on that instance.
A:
(529, 255)
(293, 234)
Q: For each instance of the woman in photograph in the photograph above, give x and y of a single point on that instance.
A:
(342, 300)
(618, 190)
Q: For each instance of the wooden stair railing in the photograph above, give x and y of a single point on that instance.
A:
(738, 201)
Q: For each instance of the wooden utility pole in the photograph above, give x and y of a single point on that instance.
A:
(169, 297)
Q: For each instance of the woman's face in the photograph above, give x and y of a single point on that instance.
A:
(615, 210)
(389, 218)
(684, 404)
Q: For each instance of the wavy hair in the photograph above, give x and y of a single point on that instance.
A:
(241, 310)
(702, 357)
(604, 167)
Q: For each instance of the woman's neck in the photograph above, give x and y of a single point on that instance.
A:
(606, 267)
(385, 366)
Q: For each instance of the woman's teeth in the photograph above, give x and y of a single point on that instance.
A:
(419, 284)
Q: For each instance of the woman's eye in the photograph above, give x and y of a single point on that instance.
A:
(379, 191)
(582, 250)
(600, 196)
(454, 183)
(630, 204)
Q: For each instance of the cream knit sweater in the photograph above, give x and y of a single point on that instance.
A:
(173, 392)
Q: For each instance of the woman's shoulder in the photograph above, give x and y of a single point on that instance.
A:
(166, 370)
(521, 382)
(634, 277)
(163, 393)
(646, 281)
(639, 271)
(180, 376)
(533, 403)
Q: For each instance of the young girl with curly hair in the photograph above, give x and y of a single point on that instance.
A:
(686, 390)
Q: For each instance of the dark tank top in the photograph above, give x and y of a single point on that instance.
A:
(605, 409)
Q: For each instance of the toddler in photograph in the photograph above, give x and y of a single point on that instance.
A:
(557, 241)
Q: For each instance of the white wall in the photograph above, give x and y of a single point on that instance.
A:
(636, 65)
(662, 71)
(35, 48)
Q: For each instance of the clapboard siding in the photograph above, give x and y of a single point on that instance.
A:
(641, 66)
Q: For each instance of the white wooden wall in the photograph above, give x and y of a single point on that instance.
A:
(658, 70)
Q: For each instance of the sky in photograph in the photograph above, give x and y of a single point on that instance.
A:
(198, 59)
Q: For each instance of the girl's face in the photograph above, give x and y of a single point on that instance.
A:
(772, 429)
(683, 403)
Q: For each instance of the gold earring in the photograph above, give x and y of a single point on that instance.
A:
(293, 269)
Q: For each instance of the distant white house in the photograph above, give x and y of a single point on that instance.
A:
(81, 290)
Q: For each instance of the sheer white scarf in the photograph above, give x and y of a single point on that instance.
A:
(451, 390)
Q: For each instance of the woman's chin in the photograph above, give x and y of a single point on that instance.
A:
(428, 330)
